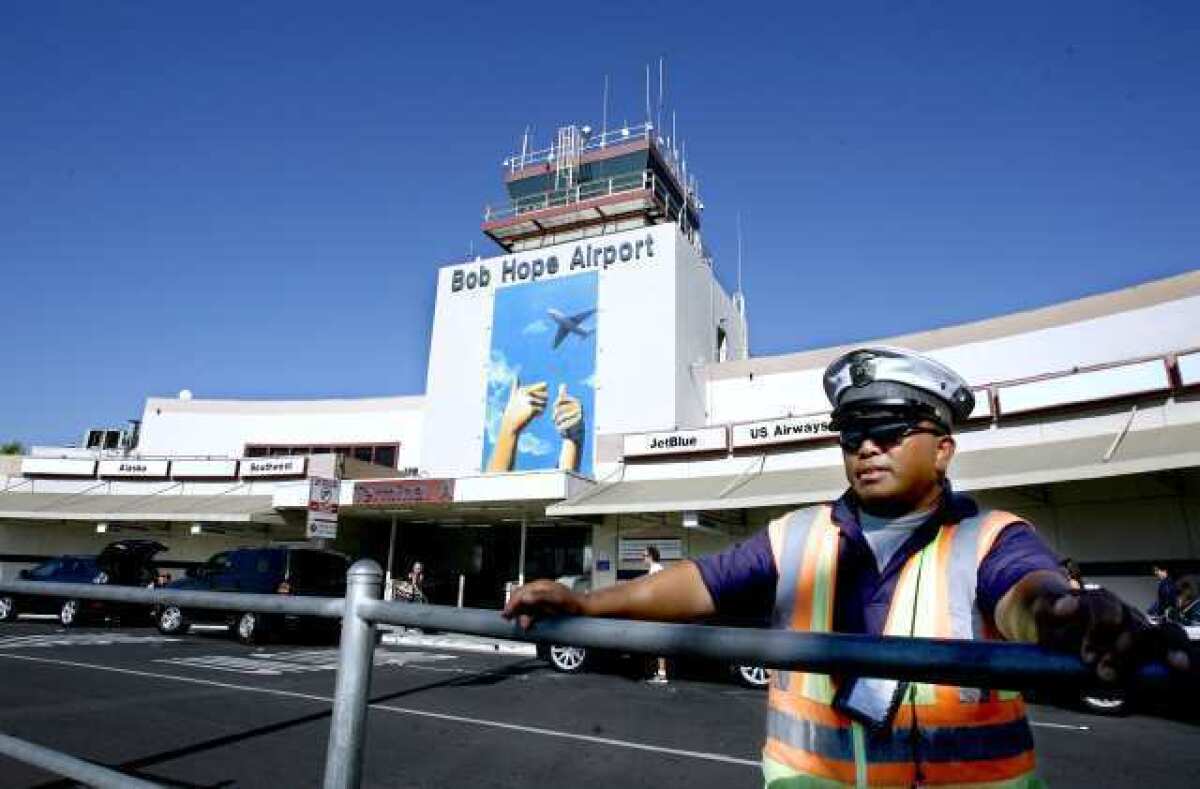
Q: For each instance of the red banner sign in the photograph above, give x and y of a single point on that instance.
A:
(389, 492)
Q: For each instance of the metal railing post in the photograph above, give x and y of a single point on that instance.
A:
(348, 725)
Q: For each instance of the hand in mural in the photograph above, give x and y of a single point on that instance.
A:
(568, 420)
(525, 403)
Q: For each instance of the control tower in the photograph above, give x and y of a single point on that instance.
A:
(588, 184)
(601, 305)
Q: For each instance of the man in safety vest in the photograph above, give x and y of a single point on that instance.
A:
(899, 554)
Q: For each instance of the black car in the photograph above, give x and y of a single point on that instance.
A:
(121, 563)
(270, 570)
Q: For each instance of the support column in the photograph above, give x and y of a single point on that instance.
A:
(521, 560)
(348, 724)
(391, 558)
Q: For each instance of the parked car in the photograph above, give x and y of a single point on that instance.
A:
(270, 570)
(121, 563)
(1118, 701)
(572, 659)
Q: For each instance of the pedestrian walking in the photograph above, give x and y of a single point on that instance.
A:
(1166, 595)
(652, 558)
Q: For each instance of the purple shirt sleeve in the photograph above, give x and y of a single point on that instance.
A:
(1018, 550)
(741, 579)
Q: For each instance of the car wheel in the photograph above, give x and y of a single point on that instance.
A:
(568, 660)
(68, 613)
(171, 622)
(753, 676)
(246, 628)
(1111, 702)
(8, 608)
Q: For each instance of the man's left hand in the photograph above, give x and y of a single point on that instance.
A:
(1110, 636)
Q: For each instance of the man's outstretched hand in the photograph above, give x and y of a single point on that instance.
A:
(540, 599)
(1108, 635)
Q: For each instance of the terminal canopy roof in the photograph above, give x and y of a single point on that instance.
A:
(1091, 457)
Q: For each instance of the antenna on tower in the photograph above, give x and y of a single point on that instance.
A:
(604, 120)
(739, 298)
(674, 138)
(658, 123)
(649, 117)
(739, 256)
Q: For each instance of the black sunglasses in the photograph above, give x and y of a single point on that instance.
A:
(882, 434)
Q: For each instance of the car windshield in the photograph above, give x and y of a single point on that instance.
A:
(219, 563)
(46, 569)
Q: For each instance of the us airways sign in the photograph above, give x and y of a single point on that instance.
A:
(782, 431)
(581, 258)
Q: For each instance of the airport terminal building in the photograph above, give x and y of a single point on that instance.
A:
(589, 392)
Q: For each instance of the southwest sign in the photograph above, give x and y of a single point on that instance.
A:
(389, 492)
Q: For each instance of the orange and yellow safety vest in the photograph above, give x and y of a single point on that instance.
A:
(941, 735)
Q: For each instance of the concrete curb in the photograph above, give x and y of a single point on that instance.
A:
(459, 642)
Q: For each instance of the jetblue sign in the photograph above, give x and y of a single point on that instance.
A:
(676, 442)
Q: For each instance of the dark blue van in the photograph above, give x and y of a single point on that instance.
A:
(271, 570)
(121, 563)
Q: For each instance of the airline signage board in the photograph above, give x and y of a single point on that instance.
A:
(204, 469)
(59, 467)
(676, 442)
(145, 469)
(791, 430)
(282, 466)
(392, 492)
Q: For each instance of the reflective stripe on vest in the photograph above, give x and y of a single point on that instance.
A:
(964, 736)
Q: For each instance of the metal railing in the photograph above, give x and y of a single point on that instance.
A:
(941, 661)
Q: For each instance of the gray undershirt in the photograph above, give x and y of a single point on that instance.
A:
(886, 535)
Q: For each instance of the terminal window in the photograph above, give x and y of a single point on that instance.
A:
(379, 454)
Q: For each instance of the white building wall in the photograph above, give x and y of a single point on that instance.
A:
(1157, 329)
(223, 428)
(702, 306)
(636, 355)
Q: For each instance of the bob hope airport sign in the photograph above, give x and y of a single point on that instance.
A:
(585, 257)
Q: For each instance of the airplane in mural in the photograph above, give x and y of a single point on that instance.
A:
(569, 324)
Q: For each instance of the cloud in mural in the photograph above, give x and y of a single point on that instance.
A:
(530, 444)
(539, 326)
(499, 384)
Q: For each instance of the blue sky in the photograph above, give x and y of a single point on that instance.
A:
(251, 199)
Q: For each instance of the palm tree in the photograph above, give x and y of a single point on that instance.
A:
(12, 448)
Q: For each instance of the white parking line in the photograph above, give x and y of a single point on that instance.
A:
(483, 722)
(1068, 726)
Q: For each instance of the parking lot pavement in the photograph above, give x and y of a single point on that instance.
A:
(202, 710)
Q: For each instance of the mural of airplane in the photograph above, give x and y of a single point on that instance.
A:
(569, 325)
